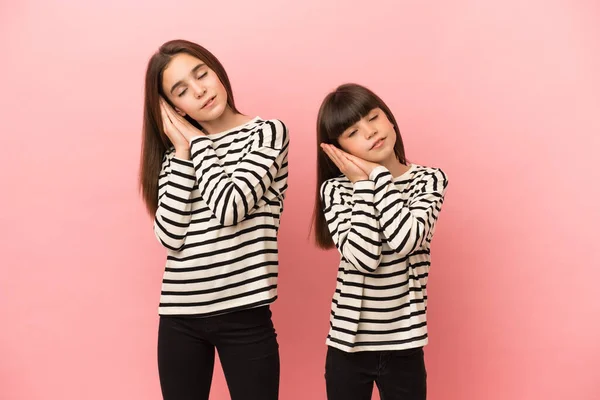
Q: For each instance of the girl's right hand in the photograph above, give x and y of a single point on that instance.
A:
(182, 146)
(345, 165)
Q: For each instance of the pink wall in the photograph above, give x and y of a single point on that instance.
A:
(505, 96)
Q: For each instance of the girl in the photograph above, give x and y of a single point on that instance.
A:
(380, 213)
(214, 180)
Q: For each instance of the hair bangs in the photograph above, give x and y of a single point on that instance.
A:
(345, 108)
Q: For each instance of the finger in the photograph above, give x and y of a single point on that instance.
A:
(359, 163)
(169, 111)
(333, 154)
(180, 123)
(357, 166)
(337, 150)
(173, 120)
(332, 157)
(341, 162)
(164, 108)
(170, 129)
(163, 117)
(163, 112)
(165, 132)
(348, 161)
(328, 152)
(353, 159)
(173, 116)
(340, 155)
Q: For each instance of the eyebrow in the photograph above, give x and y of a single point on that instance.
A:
(349, 130)
(179, 83)
(353, 127)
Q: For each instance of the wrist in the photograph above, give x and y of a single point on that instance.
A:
(182, 153)
(359, 178)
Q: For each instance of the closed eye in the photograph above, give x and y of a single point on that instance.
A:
(182, 92)
(374, 117)
(202, 75)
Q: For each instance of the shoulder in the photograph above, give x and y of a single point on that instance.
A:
(271, 133)
(433, 176)
(336, 188)
(168, 155)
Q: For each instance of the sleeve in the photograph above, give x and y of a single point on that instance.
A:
(406, 225)
(233, 198)
(175, 185)
(353, 223)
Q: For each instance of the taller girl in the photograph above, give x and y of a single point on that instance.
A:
(214, 180)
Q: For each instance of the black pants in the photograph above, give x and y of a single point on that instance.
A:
(248, 351)
(399, 375)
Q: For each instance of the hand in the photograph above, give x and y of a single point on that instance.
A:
(345, 165)
(177, 128)
(366, 166)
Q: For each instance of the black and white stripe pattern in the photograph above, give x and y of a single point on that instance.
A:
(218, 216)
(382, 228)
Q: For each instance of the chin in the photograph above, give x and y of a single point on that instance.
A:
(379, 157)
(372, 159)
(377, 160)
(210, 115)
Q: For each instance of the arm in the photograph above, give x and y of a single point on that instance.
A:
(233, 198)
(408, 224)
(175, 184)
(354, 228)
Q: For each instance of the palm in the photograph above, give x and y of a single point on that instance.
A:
(344, 164)
(366, 166)
(353, 169)
(177, 128)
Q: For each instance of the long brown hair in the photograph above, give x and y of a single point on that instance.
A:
(155, 142)
(340, 109)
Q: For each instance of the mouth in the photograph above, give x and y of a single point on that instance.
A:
(378, 143)
(209, 103)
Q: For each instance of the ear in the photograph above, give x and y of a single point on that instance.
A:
(178, 111)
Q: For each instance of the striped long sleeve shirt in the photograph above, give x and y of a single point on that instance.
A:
(382, 228)
(218, 216)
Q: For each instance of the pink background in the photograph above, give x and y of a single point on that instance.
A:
(504, 96)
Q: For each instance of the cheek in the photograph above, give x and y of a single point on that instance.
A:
(221, 90)
(387, 125)
(393, 138)
(215, 82)
(352, 147)
(344, 145)
(181, 104)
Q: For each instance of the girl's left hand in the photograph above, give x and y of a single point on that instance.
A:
(346, 167)
(363, 164)
(178, 122)
(366, 166)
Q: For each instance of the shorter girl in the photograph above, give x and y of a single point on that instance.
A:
(380, 213)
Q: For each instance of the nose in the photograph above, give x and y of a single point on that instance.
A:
(369, 131)
(199, 90)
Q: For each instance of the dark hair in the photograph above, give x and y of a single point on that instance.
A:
(340, 109)
(155, 142)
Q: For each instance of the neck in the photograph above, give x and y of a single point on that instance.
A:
(395, 167)
(229, 119)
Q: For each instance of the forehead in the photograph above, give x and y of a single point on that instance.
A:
(362, 116)
(179, 68)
